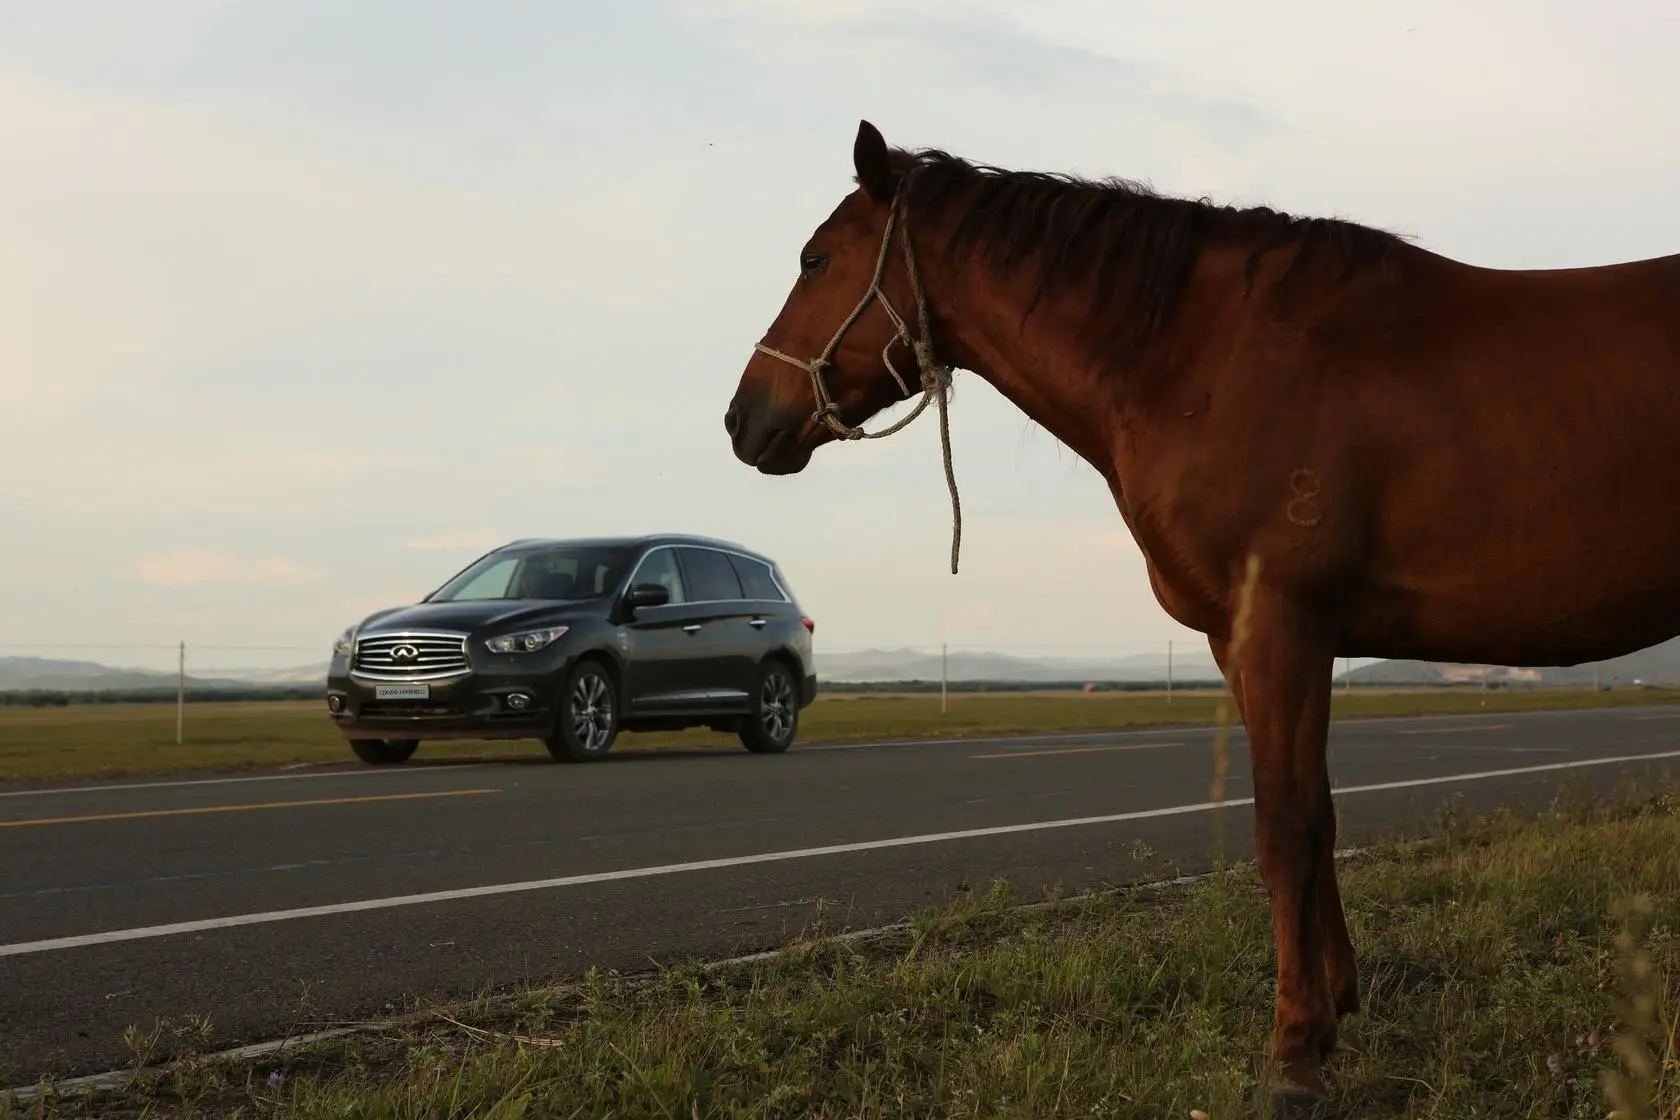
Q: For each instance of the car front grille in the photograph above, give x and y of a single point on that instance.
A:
(410, 657)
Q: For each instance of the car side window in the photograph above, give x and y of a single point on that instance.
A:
(756, 580)
(660, 567)
(710, 575)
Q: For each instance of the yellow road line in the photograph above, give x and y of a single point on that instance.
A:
(1078, 750)
(1674, 715)
(1462, 730)
(241, 808)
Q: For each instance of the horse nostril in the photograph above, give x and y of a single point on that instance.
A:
(732, 419)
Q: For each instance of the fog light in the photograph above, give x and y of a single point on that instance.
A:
(518, 701)
(335, 703)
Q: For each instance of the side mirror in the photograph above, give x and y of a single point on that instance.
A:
(647, 595)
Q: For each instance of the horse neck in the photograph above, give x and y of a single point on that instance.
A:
(1044, 363)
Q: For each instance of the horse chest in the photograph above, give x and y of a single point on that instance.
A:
(1183, 585)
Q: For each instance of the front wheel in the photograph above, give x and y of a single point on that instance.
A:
(588, 717)
(384, 752)
(774, 720)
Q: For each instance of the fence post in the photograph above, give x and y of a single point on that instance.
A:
(180, 692)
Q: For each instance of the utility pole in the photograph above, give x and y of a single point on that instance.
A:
(180, 692)
(1347, 676)
(1169, 670)
(943, 653)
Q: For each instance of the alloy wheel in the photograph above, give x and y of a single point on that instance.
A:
(591, 712)
(776, 706)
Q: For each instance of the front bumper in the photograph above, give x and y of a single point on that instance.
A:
(483, 704)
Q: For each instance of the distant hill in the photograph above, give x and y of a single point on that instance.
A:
(40, 674)
(1660, 664)
(19, 674)
(909, 665)
(305, 674)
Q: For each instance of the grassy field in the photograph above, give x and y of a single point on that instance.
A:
(1499, 979)
(105, 740)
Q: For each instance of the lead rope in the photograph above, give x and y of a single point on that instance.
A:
(936, 375)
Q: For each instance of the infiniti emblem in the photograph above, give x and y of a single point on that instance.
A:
(404, 653)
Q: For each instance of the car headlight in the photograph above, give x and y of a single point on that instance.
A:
(527, 641)
(345, 642)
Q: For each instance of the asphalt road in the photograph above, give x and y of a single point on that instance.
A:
(282, 902)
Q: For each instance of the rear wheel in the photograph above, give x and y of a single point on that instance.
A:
(588, 721)
(774, 720)
(384, 752)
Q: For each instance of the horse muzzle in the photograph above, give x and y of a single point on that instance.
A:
(767, 438)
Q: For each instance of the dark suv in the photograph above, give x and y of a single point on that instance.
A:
(573, 641)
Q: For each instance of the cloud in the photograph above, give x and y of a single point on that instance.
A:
(552, 462)
(191, 569)
(1032, 574)
(196, 242)
(973, 62)
(320, 301)
(339, 464)
(349, 609)
(1394, 116)
(459, 542)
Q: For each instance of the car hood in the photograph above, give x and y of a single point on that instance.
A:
(499, 615)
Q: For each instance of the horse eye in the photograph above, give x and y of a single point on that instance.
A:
(812, 263)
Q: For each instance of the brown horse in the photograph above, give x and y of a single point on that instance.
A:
(1429, 459)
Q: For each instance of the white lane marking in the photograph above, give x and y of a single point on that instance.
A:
(1043, 752)
(180, 783)
(78, 1086)
(124, 787)
(893, 744)
(1023, 739)
(1237, 730)
(141, 933)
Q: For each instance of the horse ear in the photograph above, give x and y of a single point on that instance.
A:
(873, 164)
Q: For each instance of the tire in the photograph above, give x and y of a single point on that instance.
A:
(773, 723)
(588, 723)
(384, 752)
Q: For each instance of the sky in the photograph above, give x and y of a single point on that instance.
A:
(305, 305)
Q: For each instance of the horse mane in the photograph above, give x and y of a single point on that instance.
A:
(1135, 246)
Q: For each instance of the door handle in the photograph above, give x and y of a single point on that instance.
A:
(756, 622)
(691, 628)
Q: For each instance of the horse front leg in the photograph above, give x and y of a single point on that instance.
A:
(1340, 962)
(1282, 676)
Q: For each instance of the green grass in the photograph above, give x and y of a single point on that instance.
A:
(107, 740)
(1492, 979)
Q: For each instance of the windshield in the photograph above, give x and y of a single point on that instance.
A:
(553, 572)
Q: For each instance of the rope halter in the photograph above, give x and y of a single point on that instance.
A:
(935, 375)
